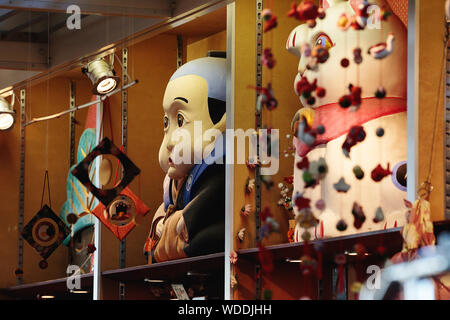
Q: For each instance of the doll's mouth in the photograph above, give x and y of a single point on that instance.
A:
(171, 164)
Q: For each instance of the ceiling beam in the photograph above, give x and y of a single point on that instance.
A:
(10, 33)
(8, 15)
(131, 8)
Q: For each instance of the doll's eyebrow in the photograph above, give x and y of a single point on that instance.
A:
(182, 99)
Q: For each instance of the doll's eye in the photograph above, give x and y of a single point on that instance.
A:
(180, 120)
(324, 41)
(166, 122)
(400, 175)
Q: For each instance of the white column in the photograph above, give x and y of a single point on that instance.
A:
(229, 167)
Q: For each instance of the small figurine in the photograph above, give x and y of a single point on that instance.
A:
(352, 99)
(383, 49)
(268, 59)
(305, 133)
(362, 14)
(379, 173)
(355, 135)
(359, 173)
(379, 215)
(306, 11)
(306, 219)
(241, 234)
(233, 257)
(249, 185)
(358, 215)
(341, 186)
(270, 20)
(246, 210)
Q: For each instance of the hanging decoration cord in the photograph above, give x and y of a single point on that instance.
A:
(46, 181)
(426, 187)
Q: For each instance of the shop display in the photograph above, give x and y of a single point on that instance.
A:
(190, 221)
(351, 115)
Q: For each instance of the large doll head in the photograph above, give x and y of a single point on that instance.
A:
(194, 104)
(391, 71)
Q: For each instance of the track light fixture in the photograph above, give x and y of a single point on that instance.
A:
(7, 113)
(102, 75)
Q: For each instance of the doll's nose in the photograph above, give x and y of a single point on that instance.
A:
(302, 66)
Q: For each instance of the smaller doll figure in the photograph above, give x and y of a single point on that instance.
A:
(191, 220)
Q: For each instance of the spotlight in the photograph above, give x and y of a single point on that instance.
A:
(7, 114)
(102, 75)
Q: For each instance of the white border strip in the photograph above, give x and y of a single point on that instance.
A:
(413, 99)
(229, 168)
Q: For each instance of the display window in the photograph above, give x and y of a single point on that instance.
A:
(224, 150)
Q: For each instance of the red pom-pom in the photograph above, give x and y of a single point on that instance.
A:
(320, 92)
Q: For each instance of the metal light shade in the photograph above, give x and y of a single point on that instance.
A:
(7, 115)
(102, 76)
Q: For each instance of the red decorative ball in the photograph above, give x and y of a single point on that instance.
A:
(345, 101)
(321, 92)
(345, 63)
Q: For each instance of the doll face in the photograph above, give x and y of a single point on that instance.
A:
(185, 102)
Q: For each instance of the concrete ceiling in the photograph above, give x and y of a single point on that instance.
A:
(34, 38)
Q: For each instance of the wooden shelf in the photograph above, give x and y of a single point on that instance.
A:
(391, 239)
(212, 265)
(56, 288)
(170, 270)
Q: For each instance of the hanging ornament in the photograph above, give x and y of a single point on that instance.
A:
(241, 234)
(345, 63)
(268, 59)
(81, 171)
(308, 264)
(380, 132)
(341, 186)
(270, 20)
(341, 225)
(358, 172)
(344, 21)
(246, 210)
(340, 261)
(358, 215)
(320, 92)
(291, 231)
(305, 88)
(306, 219)
(266, 97)
(320, 53)
(45, 232)
(301, 202)
(361, 15)
(320, 205)
(265, 258)
(306, 236)
(306, 11)
(379, 173)
(383, 49)
(380, 93)
(379, 215)
(72, 218)
(355, 135)
(357, 56)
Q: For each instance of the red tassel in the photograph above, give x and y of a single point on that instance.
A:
(395, 225)
(319, 265)
(341, 278)
(321, 229)
(385, 226)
